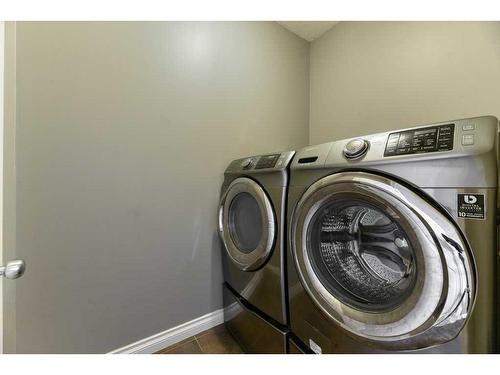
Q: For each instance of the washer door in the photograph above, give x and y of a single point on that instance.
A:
(382, 262)
(247, 224)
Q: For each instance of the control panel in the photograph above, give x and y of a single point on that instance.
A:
(267, 161)
(421, 140)
(259, 163)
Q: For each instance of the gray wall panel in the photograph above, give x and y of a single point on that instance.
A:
(123, 133)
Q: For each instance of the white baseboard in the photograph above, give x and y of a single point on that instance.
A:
(171, 336)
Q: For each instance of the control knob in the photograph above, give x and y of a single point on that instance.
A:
(355, 148)
(247, 163)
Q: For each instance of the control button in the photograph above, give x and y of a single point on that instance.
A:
(468, 139)
(355, 149)
(247, 163)
(467, 127)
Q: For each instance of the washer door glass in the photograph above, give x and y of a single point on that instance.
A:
(383, 262)
(247, 224)
(362, 255)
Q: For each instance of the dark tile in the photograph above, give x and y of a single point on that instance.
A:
(189, 347)
(218, 341)
(220, 329)
(175, 345)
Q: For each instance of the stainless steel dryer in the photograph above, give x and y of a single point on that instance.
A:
(252, 226)
(393, 241)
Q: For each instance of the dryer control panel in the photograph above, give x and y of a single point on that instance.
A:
(267, 161)
(261, 162)
(428, 139)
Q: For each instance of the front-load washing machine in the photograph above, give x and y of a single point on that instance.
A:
(393, 241)
(252, 226)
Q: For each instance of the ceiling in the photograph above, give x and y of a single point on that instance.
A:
(308, 30)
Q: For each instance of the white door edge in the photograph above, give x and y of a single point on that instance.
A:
(8, 180)
(2, 69)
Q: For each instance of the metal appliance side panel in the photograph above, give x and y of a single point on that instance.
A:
(265, 287)
(478, 335)
(253, 333)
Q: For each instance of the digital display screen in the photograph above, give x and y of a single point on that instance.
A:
(431, 139)
(267, 161)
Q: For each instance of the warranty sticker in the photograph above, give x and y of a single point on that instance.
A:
(471, 206)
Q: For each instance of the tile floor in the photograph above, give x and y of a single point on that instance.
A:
(216, 340)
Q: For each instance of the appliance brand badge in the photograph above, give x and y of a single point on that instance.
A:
(471, 206)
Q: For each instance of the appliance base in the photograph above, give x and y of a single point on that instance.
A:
(253, 332)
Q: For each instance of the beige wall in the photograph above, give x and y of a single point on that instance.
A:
(375, 76)
(123, 133)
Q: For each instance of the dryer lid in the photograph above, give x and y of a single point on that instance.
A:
(382, 261)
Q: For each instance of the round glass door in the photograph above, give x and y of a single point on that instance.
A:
(246, 224)
(362, 255)
(382, 262)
